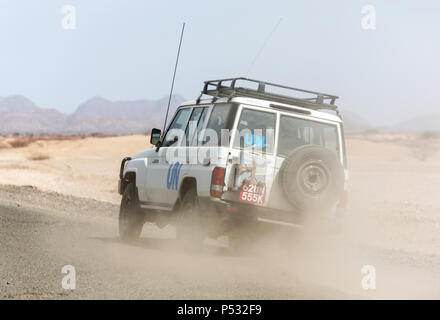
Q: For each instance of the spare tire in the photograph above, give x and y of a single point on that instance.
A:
(312, 178)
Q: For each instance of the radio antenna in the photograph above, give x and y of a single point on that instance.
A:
(174, 77)
(263, 46)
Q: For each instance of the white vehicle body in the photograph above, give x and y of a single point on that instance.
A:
(160, 180)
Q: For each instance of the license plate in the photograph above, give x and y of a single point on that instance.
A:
(253, 193)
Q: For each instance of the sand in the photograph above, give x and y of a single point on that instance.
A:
(393, 211)
(86, 167)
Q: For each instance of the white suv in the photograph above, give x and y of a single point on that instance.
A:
(249, 153)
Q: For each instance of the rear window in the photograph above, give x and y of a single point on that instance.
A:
(296, 132)
(256, 131)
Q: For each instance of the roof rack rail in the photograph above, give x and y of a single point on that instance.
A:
(228, 88)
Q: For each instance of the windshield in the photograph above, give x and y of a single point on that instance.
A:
(296, 132)
(176, 127)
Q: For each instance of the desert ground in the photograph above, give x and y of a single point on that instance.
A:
(79, 166)
(59, 205)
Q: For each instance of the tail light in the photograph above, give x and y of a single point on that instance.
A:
(217, 182)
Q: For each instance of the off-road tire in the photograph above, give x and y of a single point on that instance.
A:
(130, 216)
(312, 178)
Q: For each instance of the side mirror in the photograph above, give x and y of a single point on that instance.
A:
(155, 136)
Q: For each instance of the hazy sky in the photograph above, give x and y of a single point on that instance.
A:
(126, 50)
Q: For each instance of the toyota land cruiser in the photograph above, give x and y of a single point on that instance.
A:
(250, 152)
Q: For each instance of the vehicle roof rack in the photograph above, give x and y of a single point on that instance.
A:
(228, 88)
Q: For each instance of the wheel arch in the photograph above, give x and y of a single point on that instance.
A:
(129, 177)
(186, 184)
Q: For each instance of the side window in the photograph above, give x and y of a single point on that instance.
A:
(296, 132)
(220, 122)
(256, 130)
(177, 127)
(195, 125)
(196, 138)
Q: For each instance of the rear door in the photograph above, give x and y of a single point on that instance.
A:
(254, 145)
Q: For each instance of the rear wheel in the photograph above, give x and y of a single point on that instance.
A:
(189, 228)
(130, 215)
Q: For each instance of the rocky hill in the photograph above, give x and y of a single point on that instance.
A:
(96, 115)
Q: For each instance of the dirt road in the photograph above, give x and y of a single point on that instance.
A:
(36, 243)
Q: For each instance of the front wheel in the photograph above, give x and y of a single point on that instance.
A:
(130, 216)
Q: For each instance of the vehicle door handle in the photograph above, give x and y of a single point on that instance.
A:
(155, 161)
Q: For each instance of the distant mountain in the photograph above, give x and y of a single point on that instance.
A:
(130, 116)
(420, 123)
(354, 122)
(18, 114)
(97, 115)
(101, 107)
(16, 103)
(36, 121)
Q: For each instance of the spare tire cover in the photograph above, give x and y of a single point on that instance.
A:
(312, 178)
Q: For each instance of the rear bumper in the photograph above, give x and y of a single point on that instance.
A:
(236, 212)
(244, 211)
